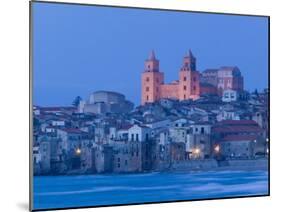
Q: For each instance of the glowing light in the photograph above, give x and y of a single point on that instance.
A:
(267, 150)
(196, 151)
(267, 140)
(78, 151)
(217, 148)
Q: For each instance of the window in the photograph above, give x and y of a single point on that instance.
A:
(147, 79)
(147, 98)
(157, 80)
(194, 88)
(184, 78)
(184, 96)
(118, 159)
(137, 137)
(126, 162)
(147, 88)
(146, 136)
(132, 137)
(202, 130)
(45, 147)
(194, 79)
(184, 87)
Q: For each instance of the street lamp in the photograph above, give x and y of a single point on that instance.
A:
(217, 149)
(78, 151)
(196, 152)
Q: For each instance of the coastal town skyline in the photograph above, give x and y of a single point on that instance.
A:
(64, 69)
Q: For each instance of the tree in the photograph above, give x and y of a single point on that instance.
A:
(76, 101)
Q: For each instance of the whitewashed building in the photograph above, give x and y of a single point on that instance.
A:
(139, 133)
(230, 95)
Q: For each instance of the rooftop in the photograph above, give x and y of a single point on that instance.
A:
(73, 130)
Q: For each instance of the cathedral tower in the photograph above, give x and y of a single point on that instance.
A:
(152, 79)
(189, 85)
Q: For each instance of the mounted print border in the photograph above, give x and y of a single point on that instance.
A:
(132, 105)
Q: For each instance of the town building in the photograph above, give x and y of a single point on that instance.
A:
(229, 95)
(224, 78)
(239, 138)
(103, 158)
(241, 146)
(127, 156)
(101, 102)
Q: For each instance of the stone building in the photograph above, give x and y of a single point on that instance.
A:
(239, 138)
(127, 156)
(101, 102)
(195, 137)
(177, 151)
(200, 140)
(224, 78)
(241, 146)
(45, 152)
(103, 158)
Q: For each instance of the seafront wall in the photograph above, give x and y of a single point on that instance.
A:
(195, 165)
(250, 164)
(212, 164)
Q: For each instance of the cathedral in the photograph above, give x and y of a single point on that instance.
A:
(191, 84)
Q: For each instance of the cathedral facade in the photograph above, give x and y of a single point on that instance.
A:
(154, 88)
(190, 84)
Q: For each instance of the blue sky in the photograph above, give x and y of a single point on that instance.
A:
(80, 49)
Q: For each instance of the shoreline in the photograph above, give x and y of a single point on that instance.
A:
(235, 168)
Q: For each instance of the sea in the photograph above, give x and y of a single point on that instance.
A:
(52, 192)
